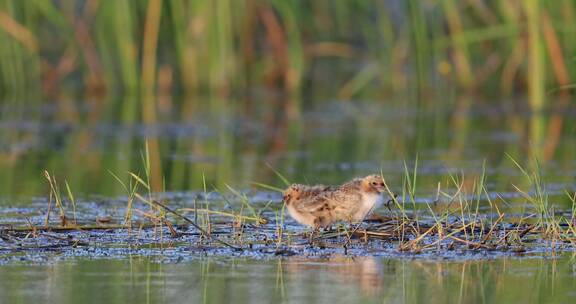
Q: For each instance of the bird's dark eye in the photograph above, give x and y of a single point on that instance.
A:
(373, 183)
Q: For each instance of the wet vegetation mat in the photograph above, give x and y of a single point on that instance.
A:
(173, 235)
(464, 220)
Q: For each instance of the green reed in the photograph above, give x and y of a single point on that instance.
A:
(228, 47)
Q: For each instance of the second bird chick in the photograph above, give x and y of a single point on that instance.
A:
(303, 204)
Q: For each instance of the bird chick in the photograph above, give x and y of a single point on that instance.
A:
(321, 206)
(356, 199)
(305, 205)
(367, 192)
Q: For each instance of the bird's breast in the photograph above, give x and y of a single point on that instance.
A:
(369, 203)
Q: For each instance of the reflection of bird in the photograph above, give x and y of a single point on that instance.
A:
(321, 206)
(367, 272)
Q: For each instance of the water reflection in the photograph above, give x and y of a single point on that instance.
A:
(326, 143)
(364, 272)
(320, 280)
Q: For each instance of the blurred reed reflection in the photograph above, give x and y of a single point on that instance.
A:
(325, 143)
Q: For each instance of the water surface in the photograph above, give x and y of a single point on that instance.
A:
(337, 279)
(326, 143)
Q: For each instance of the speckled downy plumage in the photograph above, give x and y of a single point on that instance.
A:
(321, 206)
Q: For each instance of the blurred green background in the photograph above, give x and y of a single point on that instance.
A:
(320, 90)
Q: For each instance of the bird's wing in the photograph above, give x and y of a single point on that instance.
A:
(312, 204)
(342, 201)
(321, 200)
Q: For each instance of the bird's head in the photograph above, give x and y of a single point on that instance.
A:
(291, 194)
(373, 184)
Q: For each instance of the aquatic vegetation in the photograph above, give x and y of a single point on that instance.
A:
(453, 221)
(226, 48)
(54, 194)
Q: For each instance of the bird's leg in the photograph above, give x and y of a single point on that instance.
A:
(318, 223)
(350, 225)
(312, 235)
